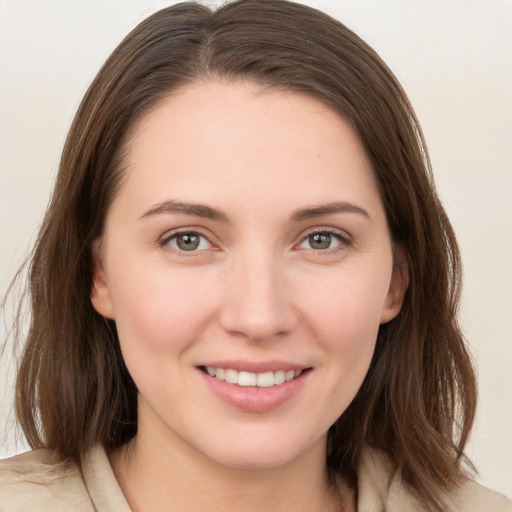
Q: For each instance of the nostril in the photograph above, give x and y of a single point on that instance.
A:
(259, 323)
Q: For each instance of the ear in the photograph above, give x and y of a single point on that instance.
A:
(397, 287)
(100, 292)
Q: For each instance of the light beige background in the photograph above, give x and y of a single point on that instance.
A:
(454, 58)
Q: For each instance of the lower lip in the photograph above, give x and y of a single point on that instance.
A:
(253, 398)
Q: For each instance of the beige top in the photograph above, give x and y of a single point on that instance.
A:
(33, 482)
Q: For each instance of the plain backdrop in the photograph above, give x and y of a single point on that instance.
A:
(454, 59)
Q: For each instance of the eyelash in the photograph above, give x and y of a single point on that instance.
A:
(344, 241)
(192, 232)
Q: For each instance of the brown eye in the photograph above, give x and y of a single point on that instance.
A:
(188, 242)
(321, 240)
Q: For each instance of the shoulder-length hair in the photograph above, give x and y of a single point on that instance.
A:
(417, 401)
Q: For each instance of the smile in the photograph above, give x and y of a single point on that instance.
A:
(245, 379)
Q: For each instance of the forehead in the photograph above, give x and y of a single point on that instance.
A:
(215, 141)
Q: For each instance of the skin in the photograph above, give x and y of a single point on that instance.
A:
(257, 288)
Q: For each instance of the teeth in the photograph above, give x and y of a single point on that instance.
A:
(279, 377)
(261, 380)
(246, 379)
(265, 380)
(232, 376)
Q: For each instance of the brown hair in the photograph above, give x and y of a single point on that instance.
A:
(418, 399)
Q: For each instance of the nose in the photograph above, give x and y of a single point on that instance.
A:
(257, 303)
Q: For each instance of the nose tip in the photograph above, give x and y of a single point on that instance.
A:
(256, 323)
(257, 304)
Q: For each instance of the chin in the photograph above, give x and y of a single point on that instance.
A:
(254, 459)
(258, 454)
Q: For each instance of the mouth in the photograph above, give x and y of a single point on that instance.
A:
(266, 388)
(250, 379)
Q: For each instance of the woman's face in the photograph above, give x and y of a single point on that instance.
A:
(247, 263)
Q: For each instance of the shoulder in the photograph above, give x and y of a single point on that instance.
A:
(473, 497)
(38, 481)
(380, 489)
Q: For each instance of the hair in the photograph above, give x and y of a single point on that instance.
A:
(418, 399)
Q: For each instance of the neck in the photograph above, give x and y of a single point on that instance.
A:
(165, 477)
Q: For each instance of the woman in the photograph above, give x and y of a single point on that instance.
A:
(244, 289)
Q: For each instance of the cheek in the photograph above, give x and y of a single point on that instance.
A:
(348, 306)
(159, 318)
(350, 340)
(160, 311)
(344, 317)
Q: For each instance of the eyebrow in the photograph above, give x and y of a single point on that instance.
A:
(207, 212)
(197, 210)
(328, 209)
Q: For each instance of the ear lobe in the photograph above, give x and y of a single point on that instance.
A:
(100, 292)
(397, 288)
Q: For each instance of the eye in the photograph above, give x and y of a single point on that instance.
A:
(188, 241)
(322, 240)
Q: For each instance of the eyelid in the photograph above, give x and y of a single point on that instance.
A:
(169, 235)
(326, 229)
(341, 235)
(344, 238)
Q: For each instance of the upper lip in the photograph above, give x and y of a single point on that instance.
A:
(255, 366)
